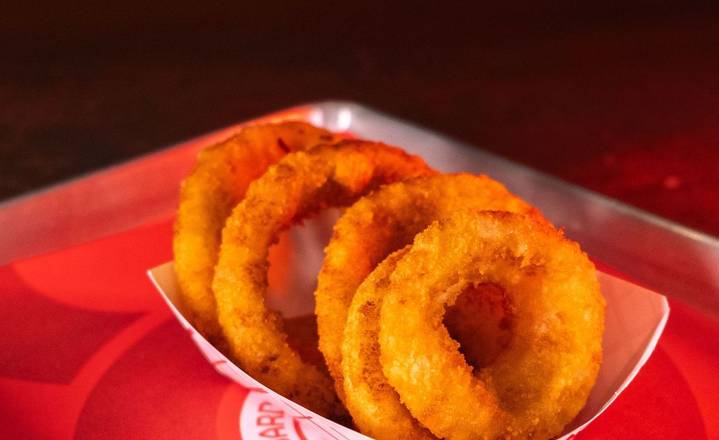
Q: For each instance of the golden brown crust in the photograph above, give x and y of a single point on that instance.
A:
(375, 407)
(386, 318)
(297, 186)
(541, 381)
(383, 222)
(216, 184)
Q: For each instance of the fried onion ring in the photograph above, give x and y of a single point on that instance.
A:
(217, 183)
(542, 379)
(296, 187)
(381, 223)
(373, 404)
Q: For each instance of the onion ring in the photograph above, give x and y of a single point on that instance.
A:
(373, 404)
(375, 407)
(296, 187)
(217, 183)
(542, 379)
(381, 223)
(367, 232)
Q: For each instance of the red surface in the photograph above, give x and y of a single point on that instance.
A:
(88, 350)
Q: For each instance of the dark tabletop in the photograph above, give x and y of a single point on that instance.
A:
(623, 100)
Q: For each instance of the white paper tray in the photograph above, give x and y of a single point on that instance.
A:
(635, 319)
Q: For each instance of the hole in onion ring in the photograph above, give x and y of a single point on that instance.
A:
(480, 320)
(295, 261)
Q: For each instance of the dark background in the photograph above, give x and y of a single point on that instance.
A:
(621, 99)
